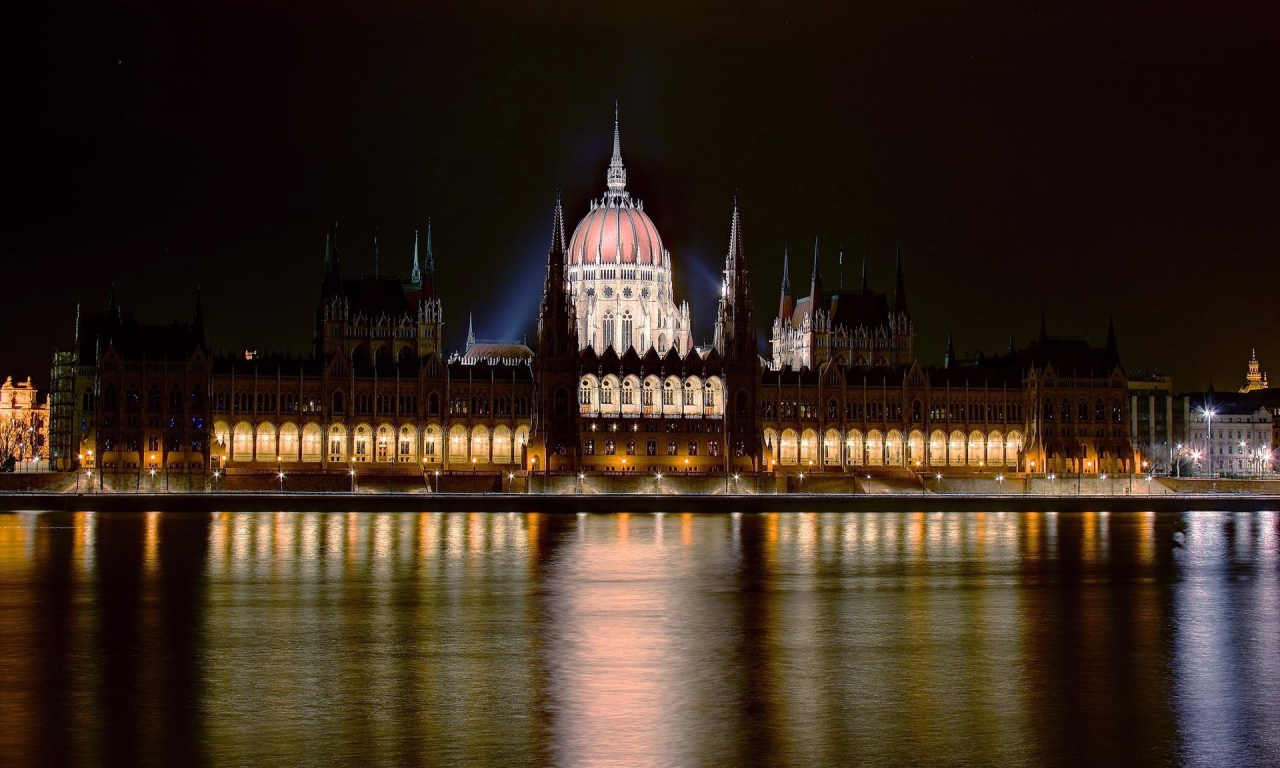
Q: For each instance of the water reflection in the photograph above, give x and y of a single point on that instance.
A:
(635, 640)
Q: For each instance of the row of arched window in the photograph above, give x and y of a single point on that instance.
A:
(876, 448)
(268, 444)
(672, 396)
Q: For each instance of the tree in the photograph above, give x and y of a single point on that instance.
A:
(21, 436)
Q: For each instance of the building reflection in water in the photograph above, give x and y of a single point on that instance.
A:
(633, 640)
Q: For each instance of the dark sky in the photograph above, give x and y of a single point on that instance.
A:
(1078, 158)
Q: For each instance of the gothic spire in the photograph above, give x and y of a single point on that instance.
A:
(1012, 349)
(786, 272)
(864, 271)
(415, 274)
(840, 270)
(617, 174)
(328, 254)
(430, 265)
(557, 232)
(1044, 327)
(817, 274)
(471, 334)
(815, 282)
(950, 357)
(375, 253)
(899, 288)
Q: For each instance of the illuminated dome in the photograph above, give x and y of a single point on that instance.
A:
(621, 275)
(616, 231)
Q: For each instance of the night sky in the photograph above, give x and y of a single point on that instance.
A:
(1076, 158)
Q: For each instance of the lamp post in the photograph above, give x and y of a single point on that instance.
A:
(353, 481)
(1208, 414)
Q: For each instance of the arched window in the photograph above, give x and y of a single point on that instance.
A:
(628, 340)
(337, 402)
(175, 399)
(1098, 410)
(742, 403)
(1066, 409)
(1048, 409)
(608, 328)
(1116, 413)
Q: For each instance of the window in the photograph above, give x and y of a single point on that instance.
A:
(631, 447)
(693, 447)
(588, 447)
(609, 448)
(608, 328)
(628, 340)
(651, 448)
(671, 448)
(713, 448)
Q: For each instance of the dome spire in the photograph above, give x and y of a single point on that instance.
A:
(617, 175)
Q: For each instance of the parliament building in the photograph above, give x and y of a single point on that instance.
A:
(612, 384)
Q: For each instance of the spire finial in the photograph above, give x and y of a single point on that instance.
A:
(864, 271)
(471, 334)
(840, 271)
(786, 271)
(375, 253)
(617, 175)
(817, 274)
(415, 274)
(328, 253)
(557, 231)
(950, 356)
(430, 266)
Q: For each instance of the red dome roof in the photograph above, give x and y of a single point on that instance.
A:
(616, 232)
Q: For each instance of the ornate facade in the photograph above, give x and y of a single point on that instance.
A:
(620, 274)
(857, 328)
(616, 384)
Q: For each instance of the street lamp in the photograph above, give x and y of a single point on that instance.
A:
(282, 482)
(353, 481)
(1208, 414)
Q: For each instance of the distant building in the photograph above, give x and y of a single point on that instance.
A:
(137, 394)
(1151, 420)
(24, 423)
(1233, 438)
(1255, 379)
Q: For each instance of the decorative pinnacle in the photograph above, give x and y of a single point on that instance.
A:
(786, 271)
(431, 257)
(617, 174)
(415, 274)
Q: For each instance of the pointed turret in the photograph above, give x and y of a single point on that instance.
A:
(616, 177)
(375, 252)
(787, 304)
(840, 269)
(332, 257)
(557, 321)
(1044, 328)
(949, 357)
(471, 333)
(815, 283)
(1113, 349)
(899, 289)
(415, 274)
(735, 323)
(430, 266)
(1012, 348)
(864, 271)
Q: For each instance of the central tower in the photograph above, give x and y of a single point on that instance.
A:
(620, 274)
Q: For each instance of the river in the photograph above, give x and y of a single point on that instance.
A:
(794, 639)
